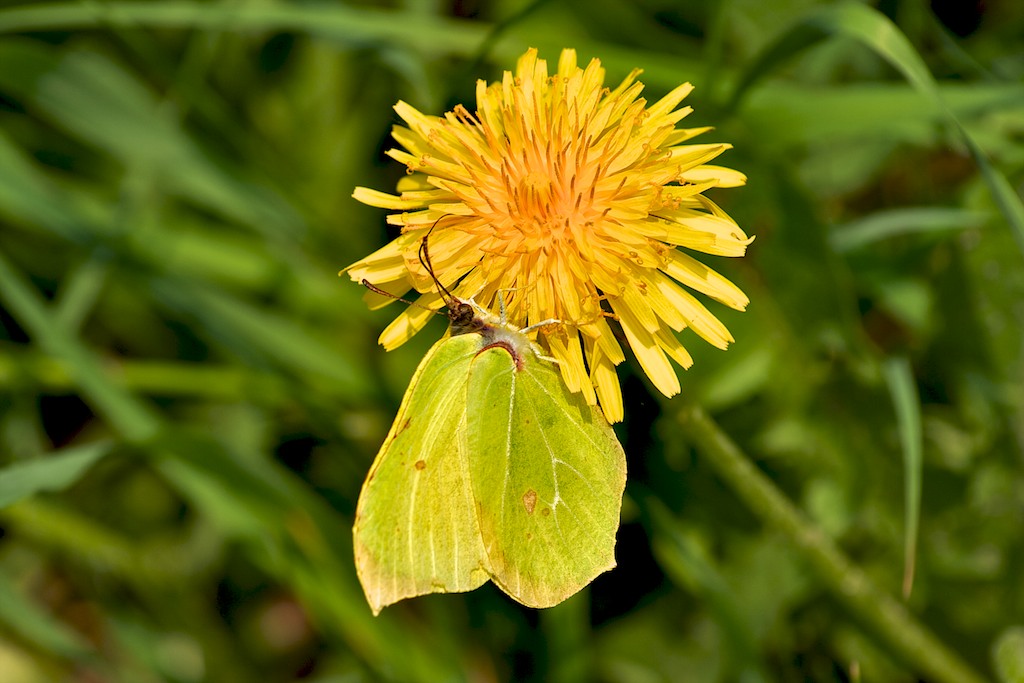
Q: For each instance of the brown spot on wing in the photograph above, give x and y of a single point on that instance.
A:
(530, 501)
(420, 465)
(546, 511)
(405, 425)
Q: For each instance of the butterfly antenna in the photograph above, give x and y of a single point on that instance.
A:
(461, 315)
(425, 261)
(377, 290)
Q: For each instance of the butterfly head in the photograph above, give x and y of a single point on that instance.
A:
(463, 317)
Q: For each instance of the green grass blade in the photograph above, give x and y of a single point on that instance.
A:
(240, 325)
(66, 532)
(50, 473)
(80, 293)
(106, 106)
(567, 637)
(790, 115)
(429, 34)
(1008, 655)
(223, 383)
(134, 419)
(33, 625)
(27, 196)
(905, 221)
(1005, 196)
(900, 380)
(687, 565)
(878, 33)
(849, 19)
(299, 539)
(887, 619)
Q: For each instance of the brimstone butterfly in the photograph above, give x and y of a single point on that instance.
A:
(492, 469)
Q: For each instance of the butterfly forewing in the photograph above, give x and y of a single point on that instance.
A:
(416, 530)
(547, 474)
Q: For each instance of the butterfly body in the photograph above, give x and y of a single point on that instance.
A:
(491, 470)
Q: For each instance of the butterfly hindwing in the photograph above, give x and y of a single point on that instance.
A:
(547, 476)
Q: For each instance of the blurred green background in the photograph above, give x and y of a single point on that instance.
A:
(190, 397)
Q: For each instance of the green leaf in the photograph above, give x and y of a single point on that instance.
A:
(492, 470)
(50, 473)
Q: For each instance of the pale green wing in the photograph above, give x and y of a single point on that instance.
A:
(415, 529)
(547, 475)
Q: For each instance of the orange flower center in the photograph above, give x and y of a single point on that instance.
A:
(547, 210)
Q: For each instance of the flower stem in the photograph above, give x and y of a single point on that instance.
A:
(894, 627)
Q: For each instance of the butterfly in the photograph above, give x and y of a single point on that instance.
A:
(492, 470)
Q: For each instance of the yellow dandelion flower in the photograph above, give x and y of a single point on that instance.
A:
(571, 202)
